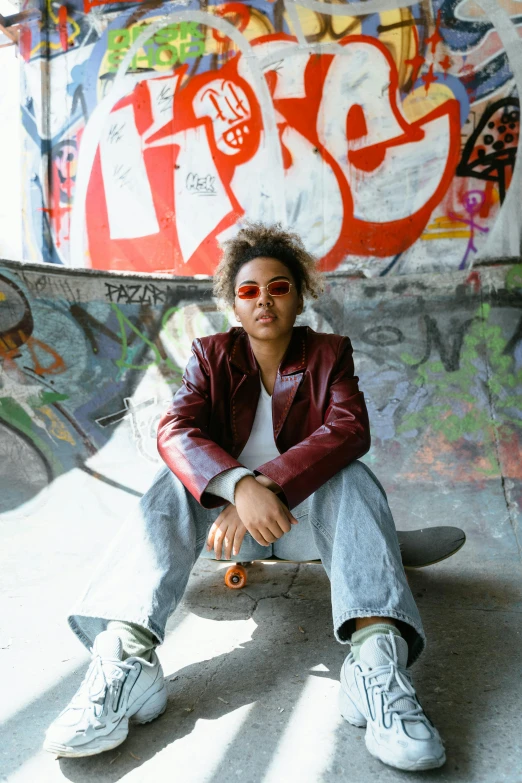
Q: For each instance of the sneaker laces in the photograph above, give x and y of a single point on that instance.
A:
(101, 674)
(392, 680)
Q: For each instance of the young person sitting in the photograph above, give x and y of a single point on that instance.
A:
(261, 446)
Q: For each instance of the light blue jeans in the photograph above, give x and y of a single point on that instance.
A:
(346, 523)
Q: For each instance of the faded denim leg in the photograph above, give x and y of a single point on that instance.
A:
(143, 575)
(346, 523)
(356, 539)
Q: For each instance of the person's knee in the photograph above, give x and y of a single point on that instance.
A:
(355, 473)
(357, 477)
(356, 468)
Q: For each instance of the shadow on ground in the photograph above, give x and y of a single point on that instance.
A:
(466, 680)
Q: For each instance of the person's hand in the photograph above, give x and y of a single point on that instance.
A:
(227, 529)
(262, 513)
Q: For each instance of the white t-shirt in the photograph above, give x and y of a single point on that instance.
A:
(260, 446)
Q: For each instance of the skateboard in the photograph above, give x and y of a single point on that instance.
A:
(419, 548)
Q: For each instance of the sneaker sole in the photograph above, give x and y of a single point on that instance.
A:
(423, 763)
(154, 706)
(99, 745)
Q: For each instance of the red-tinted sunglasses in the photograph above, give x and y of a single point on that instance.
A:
(276, 288)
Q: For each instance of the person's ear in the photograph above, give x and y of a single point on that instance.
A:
(300, 305)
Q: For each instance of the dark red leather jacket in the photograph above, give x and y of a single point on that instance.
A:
(319, 414)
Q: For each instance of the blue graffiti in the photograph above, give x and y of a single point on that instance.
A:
(461, 36)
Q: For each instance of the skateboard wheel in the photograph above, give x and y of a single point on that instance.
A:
(236, 577)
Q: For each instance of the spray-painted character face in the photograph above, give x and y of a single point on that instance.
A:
(228, 107)
(473, 201)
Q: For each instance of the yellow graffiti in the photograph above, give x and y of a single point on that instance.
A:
(396, 33)
(396, 30)
(417, 104)
(3, 297)
(49, 44)
(323, 28)
(446, 228)
(57, 428)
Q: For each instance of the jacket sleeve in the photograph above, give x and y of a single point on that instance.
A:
(342, 438)
(183, 440)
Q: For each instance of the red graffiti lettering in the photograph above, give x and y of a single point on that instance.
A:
(184, 158)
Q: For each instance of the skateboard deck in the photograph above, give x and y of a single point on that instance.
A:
(429, 545)
(419, 548)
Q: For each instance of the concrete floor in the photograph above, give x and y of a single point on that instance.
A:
(252, 697)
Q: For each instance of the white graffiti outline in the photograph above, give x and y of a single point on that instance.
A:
(296, 22)
(505, 236)
(121, 87)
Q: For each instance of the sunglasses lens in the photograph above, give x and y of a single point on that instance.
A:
(248, 291)
(278, 288)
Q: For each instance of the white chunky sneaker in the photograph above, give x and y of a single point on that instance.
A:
(376, 692)
(112, 692)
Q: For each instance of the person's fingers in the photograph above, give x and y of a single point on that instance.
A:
(210, 536)
(228, 541)
(238, 538)
(293, 520)
(259, 536)
(218, 542)
(275, 528)
(271, 531)
(219, 520)
(284, 523)
(287, 514)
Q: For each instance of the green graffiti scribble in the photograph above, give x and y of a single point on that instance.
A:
(454, 390)
(48, 398)
(128, 353)
(168, 314)
(13, 413)
(126, 360)
(514, 278)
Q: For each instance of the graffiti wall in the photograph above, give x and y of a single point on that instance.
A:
(386, 136)
(93, 360)
(11, 140)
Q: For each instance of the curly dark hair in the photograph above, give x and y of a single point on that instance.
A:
(257, 239)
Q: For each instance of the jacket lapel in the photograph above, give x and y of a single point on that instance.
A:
(245, 395)
(289, 377)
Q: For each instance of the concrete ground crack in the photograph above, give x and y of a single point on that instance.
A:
(506, 484)
(209, 682)
(286, 594)
(255, 601)
(507, 488)
(292, 581)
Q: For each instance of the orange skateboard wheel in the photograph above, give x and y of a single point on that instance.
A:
(236, 577)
